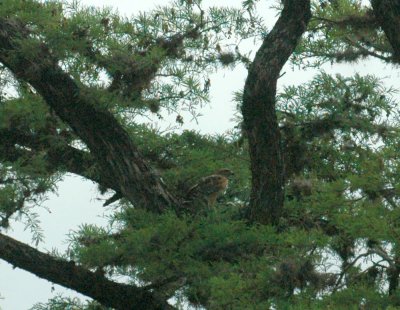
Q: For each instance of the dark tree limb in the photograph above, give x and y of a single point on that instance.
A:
(393, 273)
(387, 12)
(109, 143)
(70, 275)
(60, 156)
(259, 115)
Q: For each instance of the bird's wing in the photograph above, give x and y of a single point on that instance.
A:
(208, 185)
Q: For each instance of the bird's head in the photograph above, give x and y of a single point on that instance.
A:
(225, 172)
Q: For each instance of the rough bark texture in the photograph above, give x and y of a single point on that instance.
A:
(68, 274)
(393, 277)
(387, 12)
(108, 142)
(259, 116)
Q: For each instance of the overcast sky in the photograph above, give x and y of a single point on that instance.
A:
(77, 201)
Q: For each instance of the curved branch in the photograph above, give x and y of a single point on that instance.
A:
(70, 275)
(107, 140)
(259, 115)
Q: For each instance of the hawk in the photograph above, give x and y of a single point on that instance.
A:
(209, 188)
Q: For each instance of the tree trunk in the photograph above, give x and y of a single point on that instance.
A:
(387, 12)
(259, 115)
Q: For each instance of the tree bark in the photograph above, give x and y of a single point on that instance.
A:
(70, 275)
(387, 12)
(107, 140)
(393, 274)
(259, 115)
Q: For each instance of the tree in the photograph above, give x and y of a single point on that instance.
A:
(316, 166)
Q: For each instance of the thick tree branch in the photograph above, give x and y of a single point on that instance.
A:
(387, 12)
(259, 115)
(109, 143)
(69, 275)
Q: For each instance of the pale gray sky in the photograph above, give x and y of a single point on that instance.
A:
(76, 202)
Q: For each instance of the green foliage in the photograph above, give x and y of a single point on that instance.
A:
(336, 245)
(340, 119)
(62, 303)
(342, 31)
(91, 43)
(216, 259)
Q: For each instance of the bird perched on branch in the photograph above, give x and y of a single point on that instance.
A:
(209, 188)
(206, 190)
